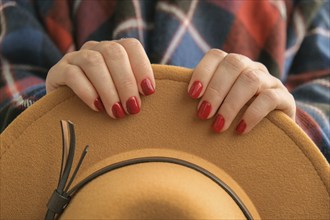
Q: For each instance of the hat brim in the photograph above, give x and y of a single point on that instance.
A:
(276, 164)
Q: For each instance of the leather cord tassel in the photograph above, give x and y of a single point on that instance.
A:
(60, 198)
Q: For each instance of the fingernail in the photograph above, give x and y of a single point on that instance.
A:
(195, 89)
(218, 123)
(98, 104)
(241, 127)
(147, 87)
(117, 110)
(132, 105)
(204, 110)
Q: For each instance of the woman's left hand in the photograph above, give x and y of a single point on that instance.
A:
(226, 82)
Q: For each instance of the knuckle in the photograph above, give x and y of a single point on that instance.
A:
(229, 108)
(216, 53)
(91, 57)
(132, 42)
(144, 67)
(270, 96)
(291, 97)
(250, 76)
(261, 66)
(89, 44)
(279, 83)
(276, 81)
(113, 50)
(126, 83)
(235, 61)
(253, 112)
(68, 56)
(214, 91)
(52, 70)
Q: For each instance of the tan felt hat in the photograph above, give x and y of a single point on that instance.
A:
(160, 164)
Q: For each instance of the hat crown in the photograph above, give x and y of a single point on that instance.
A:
(153, 190)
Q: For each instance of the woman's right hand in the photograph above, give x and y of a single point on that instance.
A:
(106, 75)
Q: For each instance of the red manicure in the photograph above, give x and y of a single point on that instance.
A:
(204, 110)
(218, 123)
(117, 110)
(195, 89)
(98, 104)
(147, 87)
(241, 127)
(132, 105)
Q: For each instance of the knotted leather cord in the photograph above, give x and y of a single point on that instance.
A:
(65, 146)
(61, 197)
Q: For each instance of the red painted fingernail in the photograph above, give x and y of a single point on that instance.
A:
(204, 110)
(218, 123)
(147, 87)
(132, 105)
(195, 89)
(98, 104)
(117, 110)
(241, 127)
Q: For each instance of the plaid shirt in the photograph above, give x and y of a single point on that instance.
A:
(292, 38)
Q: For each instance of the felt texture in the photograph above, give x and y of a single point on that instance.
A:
(149, 191)
(197, 199)
(278, 167)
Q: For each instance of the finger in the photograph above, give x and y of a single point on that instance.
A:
(140, 65)
(118, 64)
(267, 101)
(54, 79)
(247, 85)
(95, 69)
(74, 77)
(222, 80)
(202, 74)
(89, 45)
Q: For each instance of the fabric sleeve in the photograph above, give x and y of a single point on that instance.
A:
(28, 49)
(309, 76)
